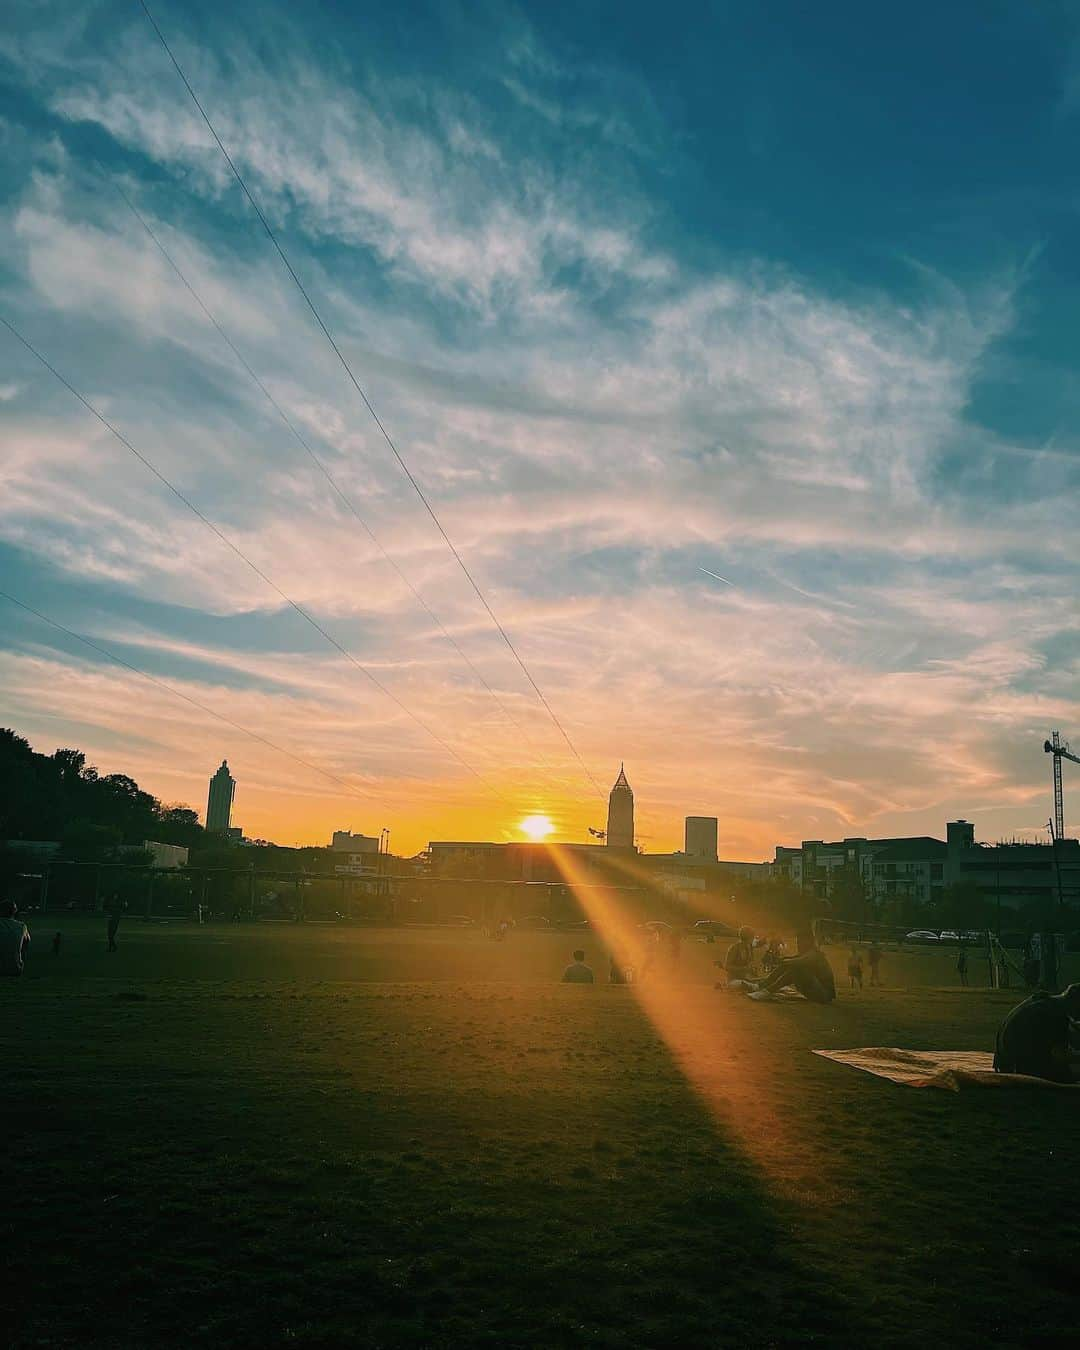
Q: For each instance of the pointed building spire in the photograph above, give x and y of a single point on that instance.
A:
(620, 819)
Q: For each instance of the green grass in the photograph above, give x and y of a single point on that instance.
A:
(318, 1136)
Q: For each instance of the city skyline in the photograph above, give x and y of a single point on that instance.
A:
(759, 460)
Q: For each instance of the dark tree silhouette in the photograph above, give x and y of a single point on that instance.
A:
(61, 797)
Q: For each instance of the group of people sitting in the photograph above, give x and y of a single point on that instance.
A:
(1039, 1038)
(808, 972)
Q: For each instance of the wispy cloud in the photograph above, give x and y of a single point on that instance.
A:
(599, 417)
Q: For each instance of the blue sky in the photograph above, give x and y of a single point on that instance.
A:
(782, 292)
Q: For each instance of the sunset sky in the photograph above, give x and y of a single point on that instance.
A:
(647, 296)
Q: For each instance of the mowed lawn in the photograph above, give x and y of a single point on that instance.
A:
(314, 1135)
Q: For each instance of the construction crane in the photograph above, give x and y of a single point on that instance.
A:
(1060, 750)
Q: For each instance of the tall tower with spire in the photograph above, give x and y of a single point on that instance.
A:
(620, 813)
(219, 804)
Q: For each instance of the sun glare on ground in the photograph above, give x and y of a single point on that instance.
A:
(537, 827)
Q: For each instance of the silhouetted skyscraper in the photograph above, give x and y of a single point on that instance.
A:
(620, 813)
(701, 838)
(219, 803)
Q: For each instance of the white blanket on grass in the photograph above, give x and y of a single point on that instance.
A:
(948, 1069)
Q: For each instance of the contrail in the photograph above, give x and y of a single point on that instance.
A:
(717, 576)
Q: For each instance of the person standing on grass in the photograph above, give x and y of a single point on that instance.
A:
(116, 910)
(962, 967)
(854, 968)
(14, 939)
(873, 956)
(578, 972)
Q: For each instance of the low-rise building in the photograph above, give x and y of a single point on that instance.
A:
(919, 868)
(166, 855)
(355, 855)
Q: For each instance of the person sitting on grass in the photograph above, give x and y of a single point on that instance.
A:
(1034, 1038)
(739, 961)
(809, 973)
(14, 939)
(579, 972)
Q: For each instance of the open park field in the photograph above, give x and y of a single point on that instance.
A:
(315, 1136)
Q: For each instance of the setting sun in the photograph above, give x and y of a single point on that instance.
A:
(537, 827)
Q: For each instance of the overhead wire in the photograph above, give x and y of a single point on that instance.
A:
(178, 693)
(320, 465)
(370, 407)
(235, 548)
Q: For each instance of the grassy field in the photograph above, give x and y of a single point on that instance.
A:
(321, 1136)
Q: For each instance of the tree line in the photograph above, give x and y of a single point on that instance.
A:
(60, 797)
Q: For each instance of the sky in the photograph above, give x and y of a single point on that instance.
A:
(646, 297)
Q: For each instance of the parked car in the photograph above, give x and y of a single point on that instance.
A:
(949, 935)
(460, 920)
(537, 921)
(974, 935)
(575, 925)
(921, 935)
(713, 928)
(656, 926)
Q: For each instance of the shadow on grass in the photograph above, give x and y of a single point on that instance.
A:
(479, 1168)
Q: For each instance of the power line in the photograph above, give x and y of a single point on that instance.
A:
(235, 548)
(367, 403)
(339, 491)
(177, 693)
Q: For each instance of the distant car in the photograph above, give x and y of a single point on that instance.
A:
(973, 935)
(921, 935)
(461, 920)
(713, 928)
(949, 935)
(540, 921)
(656, 926)
(575, 924)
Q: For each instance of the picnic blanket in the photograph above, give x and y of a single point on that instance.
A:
(948, 1069)
(786, 995)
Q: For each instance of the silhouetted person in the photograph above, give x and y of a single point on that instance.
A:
(616, 974)
(14, 939)
(854, 969)
(739, 961)
(1032, 966)
(650, 950)
(873, 957)
(962, 967)
(809, 973)
(579, 972)
(116, 911)
(56, 944)
(1034, 1038)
